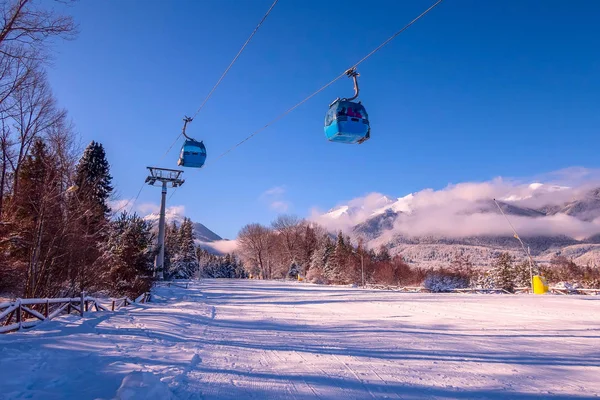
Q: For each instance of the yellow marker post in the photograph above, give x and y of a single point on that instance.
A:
(539, 284)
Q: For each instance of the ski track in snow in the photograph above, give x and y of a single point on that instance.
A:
(241, 339)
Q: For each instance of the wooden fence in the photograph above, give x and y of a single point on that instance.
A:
(28, 313)
(562, 290)
(519, 290)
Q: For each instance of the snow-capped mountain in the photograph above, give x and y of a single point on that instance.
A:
(428, 227)
(201, 232)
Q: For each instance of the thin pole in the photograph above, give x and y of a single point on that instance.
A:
(362, 267)
(527, 253)
(160, 258)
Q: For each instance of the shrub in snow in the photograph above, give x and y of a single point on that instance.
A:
(315, 275)
(570, 287)
(441, 281)
(294, 271)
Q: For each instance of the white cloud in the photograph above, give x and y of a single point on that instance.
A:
(274, 191)
(147, 208)
(144, 209)
(222, 246)
(120, 205)
(178, 210)
(466, 209)
(280, 206)
(275, 198)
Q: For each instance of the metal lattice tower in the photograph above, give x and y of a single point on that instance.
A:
(166, 177)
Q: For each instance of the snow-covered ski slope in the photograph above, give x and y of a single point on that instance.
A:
(228, 339)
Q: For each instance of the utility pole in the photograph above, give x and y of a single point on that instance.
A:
(362, 268)
(166, 177)
(527, 252)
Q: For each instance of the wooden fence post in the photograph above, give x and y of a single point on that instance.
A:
(46, 308)
(19, 313)
(69, 307)
(113, 305)
(81, 305)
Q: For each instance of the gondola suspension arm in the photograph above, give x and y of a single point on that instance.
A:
(186, 120)
(354, 75)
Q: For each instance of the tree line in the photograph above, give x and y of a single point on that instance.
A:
(58, 236)
(291, 246)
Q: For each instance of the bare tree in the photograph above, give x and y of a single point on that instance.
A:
(289, 229)
(35, 114)
(24, 38)
(24, 24)
(255, 242)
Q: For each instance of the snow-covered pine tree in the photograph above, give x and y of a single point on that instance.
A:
(503, 272)
(522, 274)
(129, 256)
(294, 270)
(38, 217)
(89, 204)
(172, 238)
(93, 179)
(319, 260)
(335, 265)
(184, 263)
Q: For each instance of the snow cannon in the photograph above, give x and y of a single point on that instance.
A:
(539, 285)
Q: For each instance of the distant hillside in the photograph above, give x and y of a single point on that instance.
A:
(201, 232)
(427, 228)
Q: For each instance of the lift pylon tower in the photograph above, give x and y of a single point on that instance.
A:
(166, 177)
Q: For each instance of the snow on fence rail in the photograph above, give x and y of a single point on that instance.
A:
(182, 285)
(518, 290)
(26, 316)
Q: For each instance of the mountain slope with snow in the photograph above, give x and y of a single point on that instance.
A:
(428, 227)
(201, 232)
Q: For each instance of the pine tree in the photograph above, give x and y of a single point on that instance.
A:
(294, 270)
(172, 237)
(38, 219)
(184, 262)
(129, 255)
(383, 255)
(93, 179)
(522, 274)
(335, 264)
(503, 272)
(89, 212)
(319, 259)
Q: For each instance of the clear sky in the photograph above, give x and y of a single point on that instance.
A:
(474, 90)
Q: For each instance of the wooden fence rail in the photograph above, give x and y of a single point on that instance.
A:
(28, 313)
(518, 290)
(176, 284)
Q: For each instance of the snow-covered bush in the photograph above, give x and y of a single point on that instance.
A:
(294, 271)
(315, 275)
(445, 281)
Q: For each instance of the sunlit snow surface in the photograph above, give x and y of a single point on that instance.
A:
(226, 339)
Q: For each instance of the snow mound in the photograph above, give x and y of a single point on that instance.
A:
(140, 385)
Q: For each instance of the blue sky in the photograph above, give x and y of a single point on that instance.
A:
(473, 91)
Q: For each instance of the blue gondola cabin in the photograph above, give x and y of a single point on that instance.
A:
(347, 122)
(193, 154)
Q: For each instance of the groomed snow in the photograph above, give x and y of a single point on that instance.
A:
(227, 339)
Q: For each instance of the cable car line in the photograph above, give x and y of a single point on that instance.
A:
(187, 119)
(224, 73)
(280, 116)
(405, 27)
